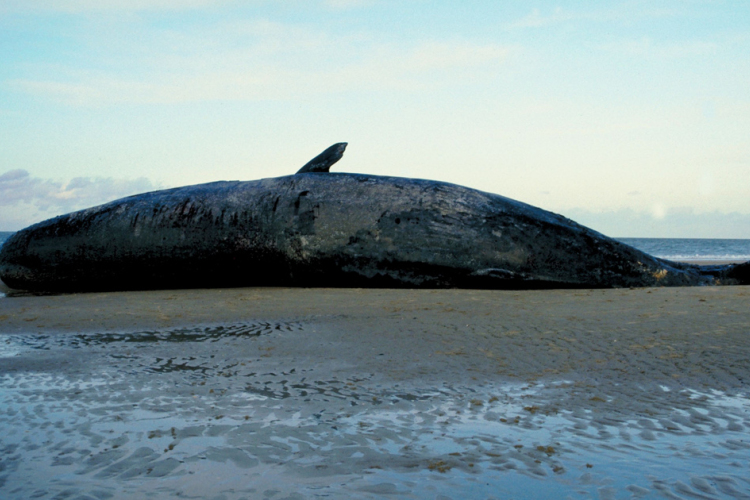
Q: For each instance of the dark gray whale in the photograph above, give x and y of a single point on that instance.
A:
(330, 230)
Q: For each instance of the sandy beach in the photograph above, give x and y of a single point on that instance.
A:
(350, 393)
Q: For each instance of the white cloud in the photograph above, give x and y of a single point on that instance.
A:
(625, 12)
(80, 6)
(25, 199)
(658, 211)
(535, 19)
(77, 6)
(647, 47)
(664, 223)
(262, 60)
(347, 4)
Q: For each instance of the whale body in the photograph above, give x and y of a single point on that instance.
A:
(330, 230)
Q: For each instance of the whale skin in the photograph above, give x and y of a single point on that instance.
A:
(330, 230)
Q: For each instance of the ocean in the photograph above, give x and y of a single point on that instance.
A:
(679, 249)
(692, 249)
(4, 235)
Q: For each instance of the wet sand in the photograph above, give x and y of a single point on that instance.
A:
(715, 262)
(341, 393)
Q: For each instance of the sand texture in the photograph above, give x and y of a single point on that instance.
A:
(346, 393)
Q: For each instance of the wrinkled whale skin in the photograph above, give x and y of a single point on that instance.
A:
(330, 230)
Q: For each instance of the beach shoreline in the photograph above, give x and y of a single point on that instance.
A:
(359, 393)
(681, 317)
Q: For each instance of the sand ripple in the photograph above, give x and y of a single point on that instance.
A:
(279, 410)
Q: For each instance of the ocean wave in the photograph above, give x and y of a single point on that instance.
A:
(703, 257)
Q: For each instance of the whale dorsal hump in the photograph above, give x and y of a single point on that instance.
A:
(324, 160)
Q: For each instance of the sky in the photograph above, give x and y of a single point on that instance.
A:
(631, 117)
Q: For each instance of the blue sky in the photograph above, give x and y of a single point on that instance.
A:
(631, 117)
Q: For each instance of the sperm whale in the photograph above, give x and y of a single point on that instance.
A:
(322, 229)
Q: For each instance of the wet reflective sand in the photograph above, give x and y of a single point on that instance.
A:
(273, 393)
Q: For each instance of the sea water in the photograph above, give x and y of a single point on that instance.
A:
(679, 249)
(4, 235)
(692, 249)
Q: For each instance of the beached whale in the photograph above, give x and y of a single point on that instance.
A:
(324, 229)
